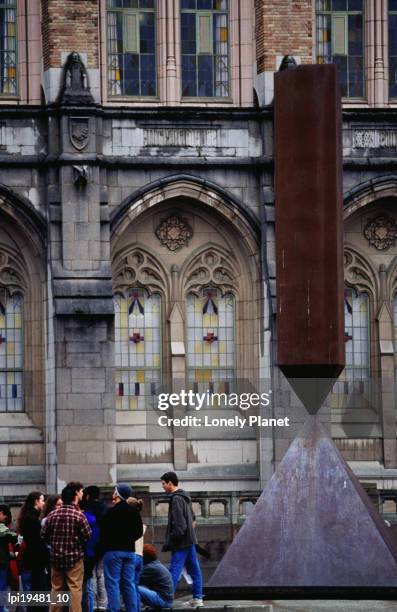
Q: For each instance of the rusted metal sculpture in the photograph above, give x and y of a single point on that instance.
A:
(313, 529)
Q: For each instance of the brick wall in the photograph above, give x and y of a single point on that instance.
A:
(70, 25)
(283, 28)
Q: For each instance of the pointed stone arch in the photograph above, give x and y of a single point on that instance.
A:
(196, 189)
(23, 239)
(368, 192)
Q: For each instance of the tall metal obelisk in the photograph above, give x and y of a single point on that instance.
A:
(313, 529)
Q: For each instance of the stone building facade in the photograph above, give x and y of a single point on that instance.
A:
(136, 191)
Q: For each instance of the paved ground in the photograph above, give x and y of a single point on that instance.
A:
(302, 605)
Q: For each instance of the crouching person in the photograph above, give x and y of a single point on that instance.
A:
(156, 587)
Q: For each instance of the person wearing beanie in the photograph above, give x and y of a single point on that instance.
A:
(121, 527)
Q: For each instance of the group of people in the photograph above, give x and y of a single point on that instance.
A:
(74, 542)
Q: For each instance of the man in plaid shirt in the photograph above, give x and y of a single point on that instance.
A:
(66, 530)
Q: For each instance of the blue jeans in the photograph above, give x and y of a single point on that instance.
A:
(119, 571)
(138, 572)
(88, 596)
(188, 557)
(153, 599)
(3, 583)
(26, 580)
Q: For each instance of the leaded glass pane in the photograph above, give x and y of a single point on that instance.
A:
(323, 5)
(11, 352)
(393, 48)
(395, 336)
(340, 40)
(137, 349)
(8, 48)
(339, 5)
(132, 48)
(355, 5)
(211, 340)
(354, 382)
(205, 48)
(204, 4)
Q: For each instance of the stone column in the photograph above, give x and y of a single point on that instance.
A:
(387, 376)
(178, 374)
(83, 325)
(376, 52)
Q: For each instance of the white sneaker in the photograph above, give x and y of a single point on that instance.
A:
(196, 603)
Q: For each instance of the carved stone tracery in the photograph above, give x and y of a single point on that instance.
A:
(138, 269)
(359, 273)
(212, 268)
(12, 273)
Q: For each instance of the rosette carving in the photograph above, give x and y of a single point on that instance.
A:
(174, 232)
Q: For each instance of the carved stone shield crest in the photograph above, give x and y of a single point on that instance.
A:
(78, 132)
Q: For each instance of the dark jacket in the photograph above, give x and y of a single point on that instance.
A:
(120, 527)
(7, 537)
(36, 552)
(180, 532)
(157, 578)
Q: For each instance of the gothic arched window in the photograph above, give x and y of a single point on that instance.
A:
(354, 380)
(137, 348)
(11, 352)
(211, 340)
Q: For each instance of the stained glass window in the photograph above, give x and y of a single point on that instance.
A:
(211, 340)
(395, 331)
(131, 26)
(11, 352)
(8, 47)
(137, 349)
(340, 40)
(205, 48)
(393, 48)
(354, 380)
